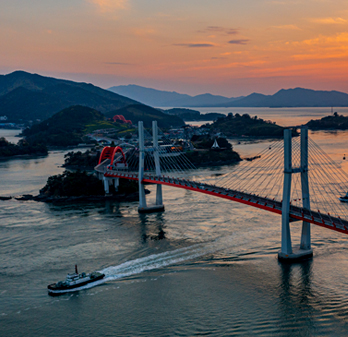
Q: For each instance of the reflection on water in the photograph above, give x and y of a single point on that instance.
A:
(295, 297)
(152, 227)
(205, 266)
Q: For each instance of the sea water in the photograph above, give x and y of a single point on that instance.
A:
(205, 266)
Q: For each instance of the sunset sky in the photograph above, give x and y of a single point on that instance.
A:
(227, 47)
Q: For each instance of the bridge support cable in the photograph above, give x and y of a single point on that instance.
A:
(257, 182)
(331, 181)
(306, 229)
(260, 176)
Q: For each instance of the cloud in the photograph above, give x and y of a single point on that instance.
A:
(323, 47)
(290, 27)
(329, 21)
(194, 45)
(241, 41)
(338, 40)
(107, 6)
(229, 31)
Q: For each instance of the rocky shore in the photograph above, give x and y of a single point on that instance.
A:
(72, 199)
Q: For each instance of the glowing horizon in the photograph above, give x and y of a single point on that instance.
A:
(229, 48)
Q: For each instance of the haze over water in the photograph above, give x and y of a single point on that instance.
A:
(215, 271)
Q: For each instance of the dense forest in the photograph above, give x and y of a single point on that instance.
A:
(80, 183)
(67, 127)
(243, 125)
(85, 160)
(23, 147)
(138, 112)
(204, 155)
(333, 122)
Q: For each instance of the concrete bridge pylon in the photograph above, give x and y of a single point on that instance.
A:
(304, 251)
(158, 207)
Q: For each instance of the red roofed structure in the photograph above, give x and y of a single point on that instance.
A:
(121, 119)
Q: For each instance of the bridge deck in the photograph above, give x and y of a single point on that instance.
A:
(296, 213)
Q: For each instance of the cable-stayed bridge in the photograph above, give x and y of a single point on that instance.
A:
(292, 177)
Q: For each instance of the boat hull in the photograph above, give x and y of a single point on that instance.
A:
(54, 290)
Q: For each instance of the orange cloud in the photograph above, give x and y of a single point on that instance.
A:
(329, 21)
(290, 27)
(107, 6)
(325, 41)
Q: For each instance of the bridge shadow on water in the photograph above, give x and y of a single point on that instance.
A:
(302, 301)
(295, 290)
(152, 227)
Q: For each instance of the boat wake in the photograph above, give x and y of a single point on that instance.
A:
(158, 261)
(161, 260)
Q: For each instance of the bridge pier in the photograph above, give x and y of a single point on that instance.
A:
(304, 251)
(108, 182)
(158, 207)
(106, 186)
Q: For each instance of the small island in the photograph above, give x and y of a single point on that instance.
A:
(80, 186)
(194, 115)
(243, 125)
(333, 122)
(205, 154)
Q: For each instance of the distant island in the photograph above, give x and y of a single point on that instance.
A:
(193, 115)
(333, 122)
(243, 125)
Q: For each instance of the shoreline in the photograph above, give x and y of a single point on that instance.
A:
(123, 197)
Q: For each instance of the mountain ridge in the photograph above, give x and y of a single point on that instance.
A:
(293, 97)
(161, 98)
(26, 96)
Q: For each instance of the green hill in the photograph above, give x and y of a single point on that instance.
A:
(68, 126)
(138, 112)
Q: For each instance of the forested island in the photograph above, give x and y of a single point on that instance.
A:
(81, 160)
(194, 115)
(205, 155)
(243, 125)
(333, 122)
(78, 186)
(23, 147)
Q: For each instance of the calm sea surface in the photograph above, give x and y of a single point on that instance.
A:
(214, 273)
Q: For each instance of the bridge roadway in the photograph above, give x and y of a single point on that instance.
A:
(296, 213)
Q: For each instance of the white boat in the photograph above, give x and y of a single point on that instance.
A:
(74, 282)
(344, 199)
